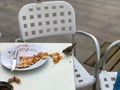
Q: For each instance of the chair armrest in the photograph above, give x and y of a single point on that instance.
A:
(97, 48)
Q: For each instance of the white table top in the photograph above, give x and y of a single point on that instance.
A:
(50, 76)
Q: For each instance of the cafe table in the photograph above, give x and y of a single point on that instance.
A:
(48, 76)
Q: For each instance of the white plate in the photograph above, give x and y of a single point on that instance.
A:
(23, 50)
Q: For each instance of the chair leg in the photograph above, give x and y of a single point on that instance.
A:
(94, 86)
(0, 34)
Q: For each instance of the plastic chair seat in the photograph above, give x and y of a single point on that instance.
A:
(107, 80)
(82, 77)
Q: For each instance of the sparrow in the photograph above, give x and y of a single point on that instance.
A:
(68, 50)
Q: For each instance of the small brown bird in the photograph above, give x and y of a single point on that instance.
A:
(68, 50)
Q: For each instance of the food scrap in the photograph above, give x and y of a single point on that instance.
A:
(26, 61)
(56, 57)
(14, 79)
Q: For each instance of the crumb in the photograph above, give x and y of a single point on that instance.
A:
(10, 80)
(14, 79)
(17, 80)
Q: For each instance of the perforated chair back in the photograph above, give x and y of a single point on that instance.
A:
(46, 18)
(107, 78)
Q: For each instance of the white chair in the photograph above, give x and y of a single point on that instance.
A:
(106, 78)
(56, 18)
